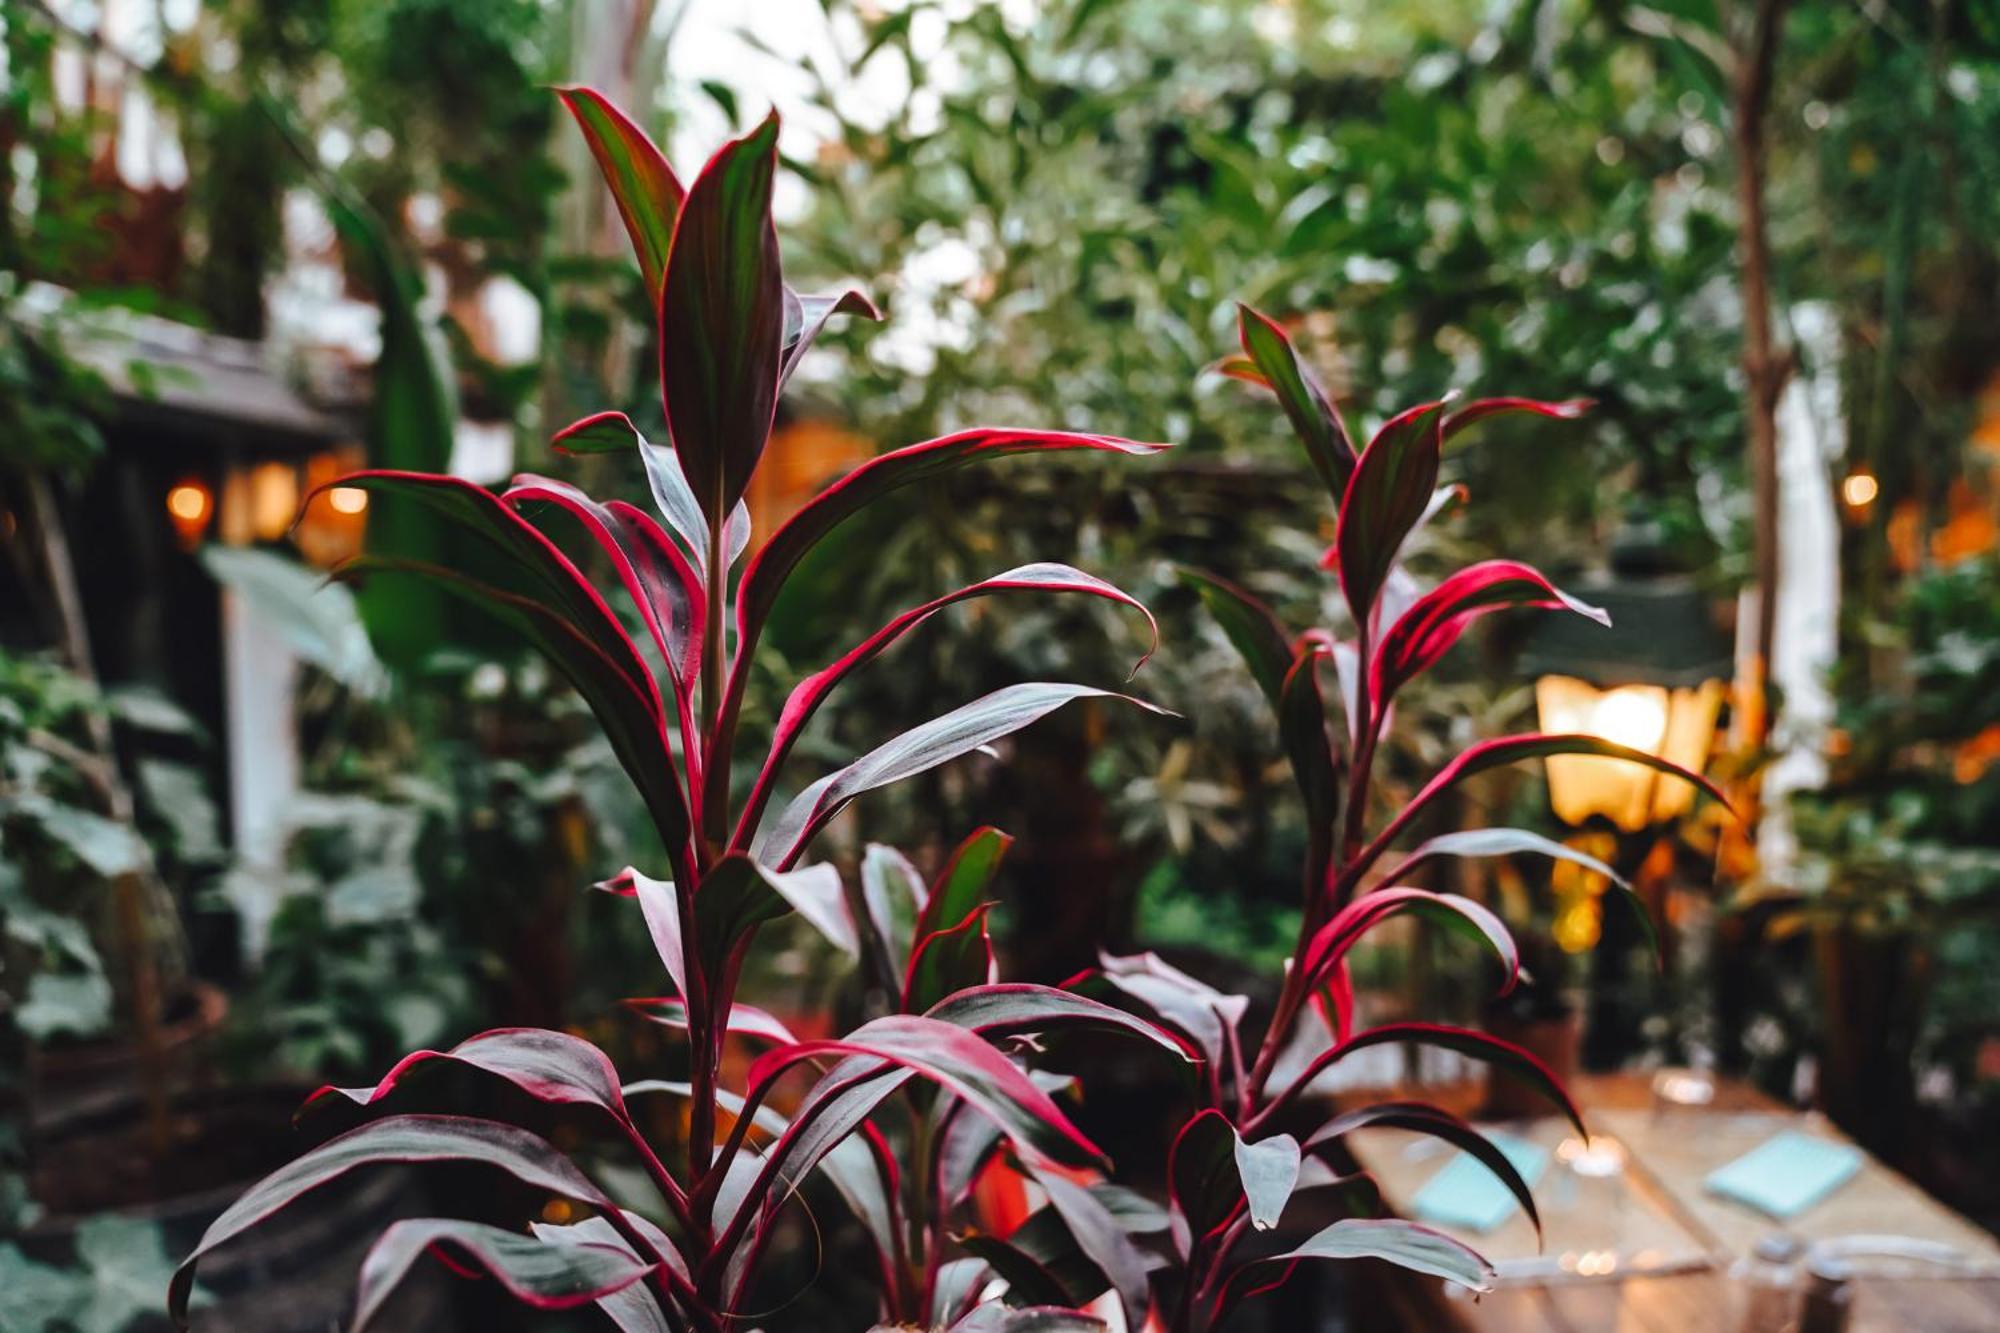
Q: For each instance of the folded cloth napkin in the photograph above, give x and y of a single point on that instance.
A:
(1466, 1194)
(1787, 1174)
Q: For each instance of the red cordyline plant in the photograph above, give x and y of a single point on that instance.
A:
(668, 695)
(1232, 1171)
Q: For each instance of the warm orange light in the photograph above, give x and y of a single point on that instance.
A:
(1674, 724)
(330, 530)
(188, 508)
(188, 503)
(274, 499)
(1859, 489)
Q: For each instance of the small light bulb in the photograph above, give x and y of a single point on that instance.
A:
(188, 503)
(1859, 489)
(347, 499)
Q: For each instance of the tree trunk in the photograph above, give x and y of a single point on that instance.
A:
(1765, 367)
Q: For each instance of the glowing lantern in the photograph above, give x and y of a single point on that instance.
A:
(189, 508)
(1676, 724)
(1654, 682)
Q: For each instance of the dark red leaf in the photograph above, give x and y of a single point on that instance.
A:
(1428, 629)
(810, 693)
(408, 1138)
(549, 1066)
(959, 1061)
(1391, 488)
(541, 1274)
(722, 316)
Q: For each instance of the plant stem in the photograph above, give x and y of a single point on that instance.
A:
(713, 795)
(1765, 367)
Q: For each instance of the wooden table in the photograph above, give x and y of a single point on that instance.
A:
(1687, 1238)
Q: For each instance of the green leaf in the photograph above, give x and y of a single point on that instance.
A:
(949, 960)
(319, 620)
(642, 185)
(1250, 627)
(1313, 417)
(105, 846)
(894, 894)
(74, 1003)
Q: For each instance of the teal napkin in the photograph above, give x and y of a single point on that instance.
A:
(1786, 1175)
(1465, 1194)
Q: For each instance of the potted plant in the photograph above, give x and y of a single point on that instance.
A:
(951, 1064)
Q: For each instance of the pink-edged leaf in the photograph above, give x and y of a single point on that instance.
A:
(949, 960)
(1502, 1055)
(806, 316)
(1405, 1244)
(810, 693)
(1441, 499)
(764, 577)
(670, 575)
(1251, 628)
(540, 1274)
(1314, 418)
(722, 317)
(821, 1135)
(963, 883)
(745, 1020)
(1391, 487)
(923, 747)
(613, 432)
(1214, 1176)
(738, 895)
(1461, 916)
(957, 1060)
(528, 582)
(634, 1309)
(1481, 842)
(1104, 1241)
(628, 712)
(598, 433)
(1500, 752)
(1423, 1118)
(642, 184)
(829, 1133)
(815, 893)
(1020, 1006)
(662, 584)
(1479, 409)
(1198, 1011)
(405, 1139)
(549, 1066)
(1428, 629)
(659, 904)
